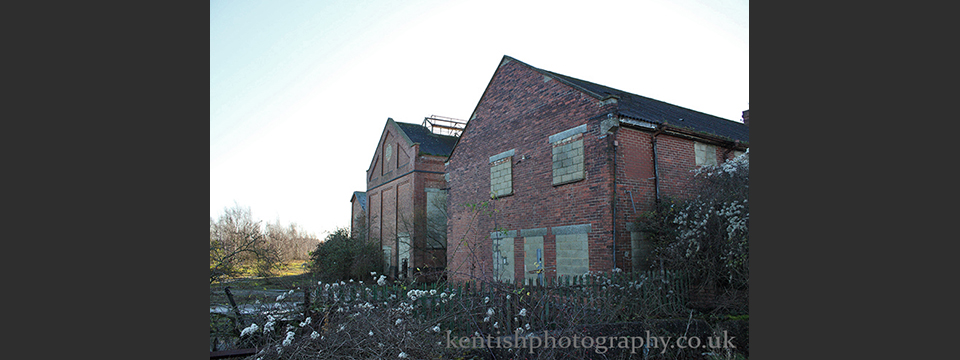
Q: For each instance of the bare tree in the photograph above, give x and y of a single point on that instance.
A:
(279, 237)
(291, 241)
(237, 240)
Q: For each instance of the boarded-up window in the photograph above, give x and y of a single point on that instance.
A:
(533, 258)
(572, 251)
(501, 174)
(572, 255)
(503, 258)
(706, 154)
(639, 251)
(568, 155)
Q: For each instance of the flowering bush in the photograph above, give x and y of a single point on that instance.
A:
(353, 320)
(707, 235)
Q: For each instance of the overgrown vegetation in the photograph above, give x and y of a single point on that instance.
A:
(342, 257)
(707, 235)
(375, 319)
(344, 309)
(240, 245)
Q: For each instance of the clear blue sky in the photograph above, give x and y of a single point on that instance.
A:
(300, 90)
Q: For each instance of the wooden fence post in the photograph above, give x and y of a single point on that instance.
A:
(237, 323)
(306, 304)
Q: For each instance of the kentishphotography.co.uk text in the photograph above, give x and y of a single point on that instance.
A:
(600, 344)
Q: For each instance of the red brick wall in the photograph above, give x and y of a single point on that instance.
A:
(396, 197)
(374, 208)
(676, 162)
(520, 110)
(634, 179)
(355, 211)
(430, 175)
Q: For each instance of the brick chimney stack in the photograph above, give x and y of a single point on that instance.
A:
(746, 117)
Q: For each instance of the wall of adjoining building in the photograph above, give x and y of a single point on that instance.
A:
(520, 112)
(557, 179)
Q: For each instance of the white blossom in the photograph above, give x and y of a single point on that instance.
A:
(250, 329)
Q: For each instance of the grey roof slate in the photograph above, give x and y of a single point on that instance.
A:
(361, 198)
(430, 143)
(659, 112)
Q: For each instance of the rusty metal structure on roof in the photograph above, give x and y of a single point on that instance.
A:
(442, 125)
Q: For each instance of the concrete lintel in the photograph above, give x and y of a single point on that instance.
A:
(533, 232)
(502, 155)
(506, 234)
(631, 226)
(571, 229)
(568, 133)
(644, 124)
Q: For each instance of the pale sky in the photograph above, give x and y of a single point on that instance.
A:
(300, 90)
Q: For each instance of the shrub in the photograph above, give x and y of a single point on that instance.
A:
(343, 257)
(707, 235)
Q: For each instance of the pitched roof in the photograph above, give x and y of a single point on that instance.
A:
(430, 143)
(361, 198)
(658, 112)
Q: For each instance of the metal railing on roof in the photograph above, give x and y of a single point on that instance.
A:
(442, 125)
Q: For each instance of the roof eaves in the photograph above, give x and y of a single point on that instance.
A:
(686, 131)
(703, 135)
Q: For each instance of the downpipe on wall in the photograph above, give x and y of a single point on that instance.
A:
(656, 167)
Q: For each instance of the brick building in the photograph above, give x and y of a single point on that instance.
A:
(565, 166)
(358, 214)
(405, 197)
